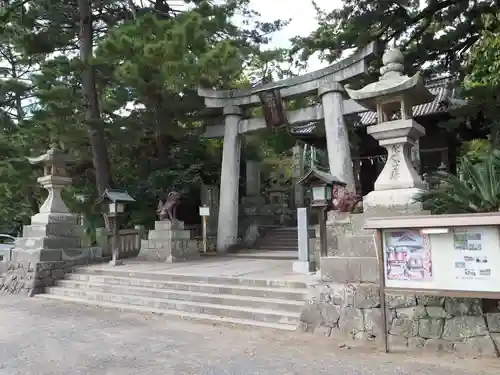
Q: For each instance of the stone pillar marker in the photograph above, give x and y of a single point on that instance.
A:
(227, 229)
(337, 138)
(304, 264)
(393, 97)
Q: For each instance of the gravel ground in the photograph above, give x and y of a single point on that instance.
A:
(49, 337)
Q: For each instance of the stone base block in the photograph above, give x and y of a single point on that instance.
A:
(36, 255)
(52, 242)
(392, 202)
(168, 245)
(349, 245)
(304, 267)
(177, 254)
(55, 255)
(349, 269)
(166, 225)
(53, 229)
(54, 218)
(75, 254)
(166, 235)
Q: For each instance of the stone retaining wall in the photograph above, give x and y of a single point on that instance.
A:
(465, 327)
(30, 278)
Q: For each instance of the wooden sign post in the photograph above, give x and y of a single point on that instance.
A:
(437, 255)
(204, 212)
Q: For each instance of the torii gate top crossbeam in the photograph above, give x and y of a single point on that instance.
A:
(293, 87)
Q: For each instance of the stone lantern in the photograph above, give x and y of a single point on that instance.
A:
(321, 185)
(113, 202)
(393, 97)
(54, 179)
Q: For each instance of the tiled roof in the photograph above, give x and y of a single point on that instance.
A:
(441, 88)
(303, 129)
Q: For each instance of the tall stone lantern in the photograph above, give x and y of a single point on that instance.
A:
(54, 179)
(54, 233)
(393, 97)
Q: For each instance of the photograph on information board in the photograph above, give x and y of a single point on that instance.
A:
(471, 261)
(407, 255)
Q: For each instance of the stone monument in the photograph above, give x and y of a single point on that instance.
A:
(393, 97)
(169, 242)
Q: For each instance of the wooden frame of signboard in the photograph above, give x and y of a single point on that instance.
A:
(430, 223)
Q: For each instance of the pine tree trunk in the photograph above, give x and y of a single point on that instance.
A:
(93, 115)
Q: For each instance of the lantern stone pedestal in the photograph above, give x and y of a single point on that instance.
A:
(169, 242)
(398, 182)
(51, 245)
(54, 232)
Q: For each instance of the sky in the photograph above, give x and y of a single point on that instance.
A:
(302, 15)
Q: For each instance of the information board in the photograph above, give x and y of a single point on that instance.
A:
(462, 259)
(204, 211)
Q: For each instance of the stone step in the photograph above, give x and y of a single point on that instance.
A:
(230, 281)
(269, 254)
(297, 294)
(212, 319)
(278, 240)
(277, 248)
(278, 244)
(178, 295)
(271, 245)
(239, 312)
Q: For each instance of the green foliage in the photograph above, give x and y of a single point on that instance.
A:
(476, 150)
(477, 189)
(482, 83)
(484, 60)
(150, 60)
(441, 32)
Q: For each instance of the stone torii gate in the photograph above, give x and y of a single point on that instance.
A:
(326, 83)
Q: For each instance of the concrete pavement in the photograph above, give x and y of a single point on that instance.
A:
(49, 337)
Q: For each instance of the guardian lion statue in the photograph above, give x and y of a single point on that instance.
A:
(344, 200)
(168, 210)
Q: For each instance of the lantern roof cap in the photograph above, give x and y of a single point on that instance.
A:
(392, 83)
(116, 195)
(316, 177)
(53, 155)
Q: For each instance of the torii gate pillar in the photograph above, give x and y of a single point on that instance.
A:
(227, 230)
(325, 83)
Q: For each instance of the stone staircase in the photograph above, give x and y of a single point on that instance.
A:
(279, 239)
(271, 304)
